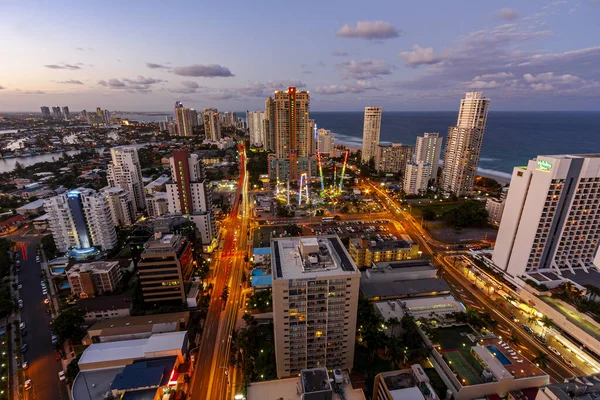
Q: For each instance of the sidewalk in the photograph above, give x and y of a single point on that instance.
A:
(15, 353)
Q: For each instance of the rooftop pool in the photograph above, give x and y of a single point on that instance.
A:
(499, 355)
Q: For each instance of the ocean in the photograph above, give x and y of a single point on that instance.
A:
(511, 139)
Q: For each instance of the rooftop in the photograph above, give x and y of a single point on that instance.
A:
(160, 181)
(101, 266)
(576, 388)
(34, 205)
(144, 374)
(148, 321)
(315, 380)
(375, 244)
(163, 244)
(402, 288)
(102, 303)
(92, 385)
(310, 256)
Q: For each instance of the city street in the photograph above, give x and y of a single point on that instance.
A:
(43, 367)
(212, 374)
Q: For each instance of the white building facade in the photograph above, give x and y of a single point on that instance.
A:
(212, 125)
(121, 206)
(371, 132)
(428, 150)
(551, 220)
(255, 121)
(125, 172)
(325, 141)
(416, 177)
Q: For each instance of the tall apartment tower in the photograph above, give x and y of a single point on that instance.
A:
(121, 205)
(81, 219)
(45, 112)
(392, 158)
(183, 119)
(293, 134)
(269, 124)
(315, 299)
(189, 193)
(371, 132)
(416, 177)
(428, 150)
(463, 146)
(325, 141)
(125, 172)
(212, 124)
(255, 120)
(551, 219)
(56, 114)
(66, 113)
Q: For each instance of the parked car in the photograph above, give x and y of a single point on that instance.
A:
(57, 355)
(54, 339)
(46, 300)
(25, 365)
(23, 332)
(540, 338)
(28, 384)
(553, 349)
(24, 348)
(22, 325)
(20, 286)
(38, 259)
(20, 303)
(61, 376)
(527, 329)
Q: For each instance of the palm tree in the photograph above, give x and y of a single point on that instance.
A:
(396, 352)
(592, 291)
(547, 323)
(542, 360)
(393, 323)
(532, 320)
(514, 340)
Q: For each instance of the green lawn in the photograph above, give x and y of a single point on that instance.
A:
(439, 208)
(453, 338)
(436, 382)
(466, 368)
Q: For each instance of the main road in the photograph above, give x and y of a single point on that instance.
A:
(463, 289)
(43, 367)
(211, 379)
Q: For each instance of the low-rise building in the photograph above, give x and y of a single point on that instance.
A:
(575, 388)
(97, 308)
(157, 204)
(262, 255)
(94, 278)
(368, 250)
(392, 158)
(35, 207)
(406, 384)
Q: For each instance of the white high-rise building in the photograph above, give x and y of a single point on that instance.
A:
(416, 177)
(190, 195)
(81, 219)
(325, 141)
(255, 120)
(157, 204)
(184, 118)
(428, 150)
(463, 145)
(495, 207)
(315, 299)
(551, 219)
(371, 132)
(125, 172)
(121, 206)
(212, 125)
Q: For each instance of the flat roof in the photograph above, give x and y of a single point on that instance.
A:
(161, 180)
(133, 349)
(142, 374)
(289, 263)
(34, 205)
(376, 244)
(140, 320)
(315, 380)
(102, 303)
(402, 265)
(410, 393)
(371, 289)
(92, 385)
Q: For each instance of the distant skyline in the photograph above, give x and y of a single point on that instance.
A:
(144, 56)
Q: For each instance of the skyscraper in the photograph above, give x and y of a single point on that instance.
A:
(550, 222)
(269, 125)
(125, 172)
(56, 114)
(392, 158)
(371, 131)
(183, 119)
(189, 193)
(428, 150)
(463, 146)
(99, 115)
(121, 205)
(80, 219)
(66, 114)
(212, 124)
(293, 135)
(255, 120)
(416, 177)
(45, 112)
(315, 299)
(325, 141)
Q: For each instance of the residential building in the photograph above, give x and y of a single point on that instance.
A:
(309, 384)
(104, 307)
(416, 177)
(125, 172)
(157, 185)
(157, 204)
(212, 125)
(293, 135)
(269, 125)
(401, 280)
(66, 113)
(194, 117)
(409, 384)
(550, 224)
(121, 206)
(325, 141)
(367, 250)
(80, 219)
(255, 120)
(93, 278)
(315, 298)
(495, 207)
(573, 388)
(163, 125)
(463, 145)
(392, 158)
(371, 132)
(190, 194)
(138, 327)
(428, 150)
(166, 265)
(184, 120)
(56, 114)
(45, 112)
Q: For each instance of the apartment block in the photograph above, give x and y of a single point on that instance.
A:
(367, 250)
(371, 133)
(392, 158)
(416, 177)
(125, 172)
(121, 205)
(166, 265)
(93, 278)
(428, 150)
(315, 297)
(212, 125)
(495, 207)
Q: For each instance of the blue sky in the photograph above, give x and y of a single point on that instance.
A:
(134, 55)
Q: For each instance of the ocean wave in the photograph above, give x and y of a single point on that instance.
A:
(486, 159)
(495, 174)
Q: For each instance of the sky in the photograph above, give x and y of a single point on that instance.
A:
(404, 56)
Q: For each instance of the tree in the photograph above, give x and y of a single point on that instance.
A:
(532, 320)
(249, 320)
(68, 325)
(547, 323)
(592, 291)
(393, 323)
(73, 369)
(542, 360)
(471, 213)
(396, 352)
(428, 214)
(514, 340)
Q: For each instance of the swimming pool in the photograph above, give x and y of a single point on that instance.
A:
(59, 270)
(499, 355)
(65, 286)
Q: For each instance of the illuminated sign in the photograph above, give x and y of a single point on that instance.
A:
(544, 165)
